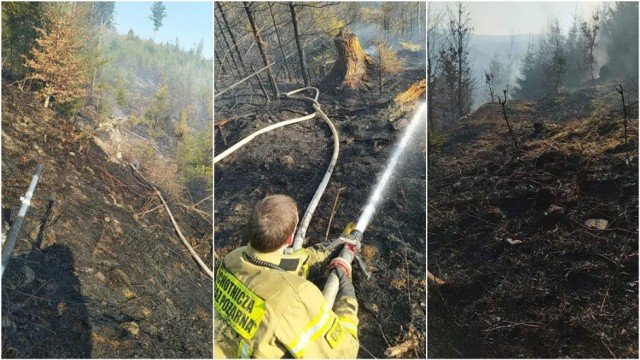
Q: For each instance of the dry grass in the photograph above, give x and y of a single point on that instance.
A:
(162, 172)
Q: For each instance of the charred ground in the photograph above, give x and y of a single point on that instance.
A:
(94, 277)
(292, 160)
(562, 289)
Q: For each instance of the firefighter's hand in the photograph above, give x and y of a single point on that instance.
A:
(346, 286)
(341, 266)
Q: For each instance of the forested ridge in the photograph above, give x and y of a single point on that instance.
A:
(122, 126)
(159, 91)
(595, 49)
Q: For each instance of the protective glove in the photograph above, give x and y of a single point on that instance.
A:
(346, 286)
(341, 265)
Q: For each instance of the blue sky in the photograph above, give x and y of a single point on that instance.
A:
(188, 21)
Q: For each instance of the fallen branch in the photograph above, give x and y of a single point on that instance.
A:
(333, 212)
(402, 348)
(193, 253)
(434, 280)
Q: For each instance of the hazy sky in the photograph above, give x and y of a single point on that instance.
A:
(504, 18)
(187, 21)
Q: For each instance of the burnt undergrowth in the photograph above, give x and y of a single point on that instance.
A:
(292, 160)
(528, 275)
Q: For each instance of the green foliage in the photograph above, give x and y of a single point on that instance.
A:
(195, 153)
(19, 23)
(160, 107)
(158, 12)
(435, 140)
(137, 65)
(121, 96)
(545, 65)
(103, 12)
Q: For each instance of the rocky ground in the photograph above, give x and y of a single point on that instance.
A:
(98, 270)
(292, 160)
(529, 272)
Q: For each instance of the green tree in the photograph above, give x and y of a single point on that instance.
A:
(158, 12)
(19, 23)
(158, 112)
(56, 61)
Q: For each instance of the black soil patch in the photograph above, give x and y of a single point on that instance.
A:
(292, 160)
(525, 276)
(91, 275)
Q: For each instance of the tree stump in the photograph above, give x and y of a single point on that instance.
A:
(352, 69)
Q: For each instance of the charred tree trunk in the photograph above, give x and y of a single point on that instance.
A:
(460, 61)
(353, 68)
(233, 38)
(224, 38)
(265, 59)
(275, 26)
(219, 61)
(504, 113)
(296, 33)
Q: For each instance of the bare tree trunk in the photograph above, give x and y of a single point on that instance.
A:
(265, 59)
(296, 33)
(504, 113)
(264, 91)
(224, 37)
(233, 38)
(380, 68)
(460, 49)
(219, 62)
(275, 26)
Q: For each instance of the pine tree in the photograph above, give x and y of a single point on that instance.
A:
(557, 64)
(19, 23)
(158, 12)
(590, 32)
(56, 60)
(458, 73)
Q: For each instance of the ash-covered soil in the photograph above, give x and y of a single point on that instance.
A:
(527, 275)
(292, 160)
(94, 276)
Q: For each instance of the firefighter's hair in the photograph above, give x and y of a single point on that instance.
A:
(271, 222)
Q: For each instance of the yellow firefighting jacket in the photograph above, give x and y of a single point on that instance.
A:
(263, 312)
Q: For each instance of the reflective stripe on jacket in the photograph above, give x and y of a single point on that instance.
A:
(297, 321)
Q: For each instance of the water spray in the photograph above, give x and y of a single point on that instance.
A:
(374, 200)
(332, 285)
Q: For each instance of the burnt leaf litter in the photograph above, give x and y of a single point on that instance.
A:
(512, 232)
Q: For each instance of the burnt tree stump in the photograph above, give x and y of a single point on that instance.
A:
(353, 68)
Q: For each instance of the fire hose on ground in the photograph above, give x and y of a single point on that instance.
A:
(331, 288)
(12, 237)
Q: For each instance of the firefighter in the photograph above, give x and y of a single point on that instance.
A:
(264, 305)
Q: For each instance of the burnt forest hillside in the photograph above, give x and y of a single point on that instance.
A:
(537, 243)
(96, 271)
(122, 128)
